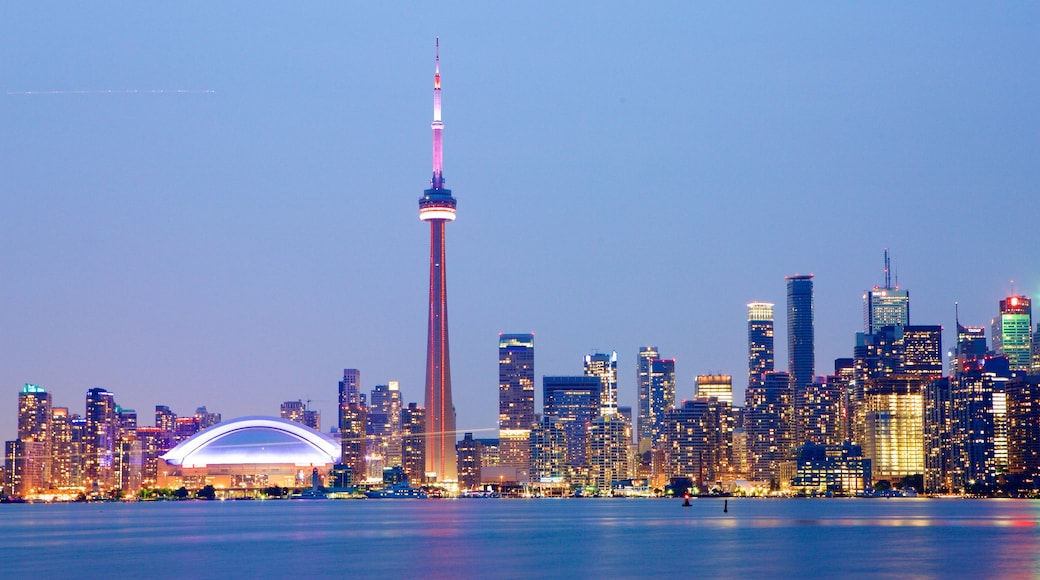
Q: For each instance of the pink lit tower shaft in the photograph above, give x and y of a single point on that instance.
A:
(437, 206)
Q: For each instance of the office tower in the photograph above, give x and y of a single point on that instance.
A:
(35, 440)
(760, 341)
(801, 357)
(126, 471)
(643, 422)
(384, 424)
(99, 443)
(352, 424)
(550, 466)
(698, 440)
(437, 206)
(885, 305)
(971, 345)
(1012, 331)
(413, 443)
(767, 426)
(469, 462)
(610, 436)
(660, 396)
(892, 426)
(62, 452)
(717, 386)
(604, 366)
(574, 402)
(516, 401)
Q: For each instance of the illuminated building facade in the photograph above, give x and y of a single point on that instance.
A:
(801, 350)
(604, 366)
(939, 465)
(249, 453)
(352, 423)
(550, 465)
(840, 469)
(643, 372)
(768, 425)
(885, 305)
(384, 423)
(573, 402)
(819, 407)
(1023, 399)
(610, 436)
(698, 439)
(980, 429)
(1012, 331)
(716, 386)
(892, 426)
(760, 341)
(661, 395)
(516, 401)
(63, 453)
(35, 432)
(413, 443)
(99, 443)
(468, 450)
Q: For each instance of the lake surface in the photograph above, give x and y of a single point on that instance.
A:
(491, 538)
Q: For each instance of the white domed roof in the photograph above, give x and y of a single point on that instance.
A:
(255, 440)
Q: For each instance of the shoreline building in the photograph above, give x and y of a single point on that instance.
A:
(604, 366)
(437, 207)
(643, 420)
(1012, 332)
(516, 401)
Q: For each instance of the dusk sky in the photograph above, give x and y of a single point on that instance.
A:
(245, 226)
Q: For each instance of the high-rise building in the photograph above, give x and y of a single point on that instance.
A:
(885, 305)
(604, 366)
(922, 351)
(610, 436)
(768, 426)
(698, 440)
(971, 346)
(760, 341)
(437, 207)
(574, 402)
(1035, 365)
(939, 466)
(1012, 331)
(819, 413)
(979, 433)
(660, 397)
(892, 426)
(384, 423)
(292, 411)
(166, 422)
(801, 354)
(35, 437)
(352, 423)
(205, 418)
(99, 444)
(516, 401)
(413, 443)
(550, 467)
(62, 452)
(1023, 399)
(469, 462)
(717, 386)
(644, 422)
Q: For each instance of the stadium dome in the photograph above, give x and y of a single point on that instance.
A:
(254, 441)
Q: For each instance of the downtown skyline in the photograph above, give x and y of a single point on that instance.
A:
(153, 249)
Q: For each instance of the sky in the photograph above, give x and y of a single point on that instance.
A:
(216, 203)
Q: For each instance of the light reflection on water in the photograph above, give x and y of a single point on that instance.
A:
(521, 538)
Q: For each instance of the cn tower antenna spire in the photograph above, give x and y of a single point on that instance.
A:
(438, 171)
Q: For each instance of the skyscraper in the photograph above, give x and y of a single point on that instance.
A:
(760, 341)
(643, 421)
(437, 206)
(384, 423)
(352, 423)
(801, 356)
(661, 397)
(516, 400)
(885, 305)
(715, 386)
(604, 366)
(35, 437)
(413, 443)
(573, 401)
(1012, 331)
(100, 438)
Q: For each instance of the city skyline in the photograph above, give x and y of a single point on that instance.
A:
(211, 248)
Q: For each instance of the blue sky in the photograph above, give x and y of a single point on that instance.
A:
(625, 176)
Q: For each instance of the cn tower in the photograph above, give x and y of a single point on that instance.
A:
(437, 206)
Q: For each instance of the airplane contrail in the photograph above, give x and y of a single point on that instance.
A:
(115, 92)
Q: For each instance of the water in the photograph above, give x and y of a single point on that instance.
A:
(491, 538)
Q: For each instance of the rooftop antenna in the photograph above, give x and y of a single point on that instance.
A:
(888, 272)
